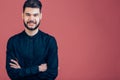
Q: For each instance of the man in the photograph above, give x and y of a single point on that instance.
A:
(32, 54)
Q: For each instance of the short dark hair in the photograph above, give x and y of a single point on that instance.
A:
(32, 4)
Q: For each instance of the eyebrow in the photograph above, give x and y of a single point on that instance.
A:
(30, 13)
(27, 13)
(35, 14)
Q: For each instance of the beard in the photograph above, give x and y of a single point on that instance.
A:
(31, 29)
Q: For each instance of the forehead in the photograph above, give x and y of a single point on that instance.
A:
(32, 10)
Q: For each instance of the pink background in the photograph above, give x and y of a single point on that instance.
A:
(87, 32)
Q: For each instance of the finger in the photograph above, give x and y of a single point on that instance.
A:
(11, 64)
(44, 64)
(14, 61)
(44, 67)
(14, 67)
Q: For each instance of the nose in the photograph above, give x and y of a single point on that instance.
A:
(31, 17)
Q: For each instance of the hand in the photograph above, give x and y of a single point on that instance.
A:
(14, 64)
(43, 67)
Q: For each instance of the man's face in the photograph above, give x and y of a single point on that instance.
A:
(31, 18)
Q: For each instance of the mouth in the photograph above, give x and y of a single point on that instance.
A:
(31, 24)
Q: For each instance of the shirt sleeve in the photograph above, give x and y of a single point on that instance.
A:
(52, 61)
(16, 74)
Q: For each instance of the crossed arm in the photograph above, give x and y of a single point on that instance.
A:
(14, 64)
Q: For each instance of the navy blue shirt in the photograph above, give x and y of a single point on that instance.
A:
(30, 52)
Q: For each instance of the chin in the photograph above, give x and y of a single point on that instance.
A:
(31, 27)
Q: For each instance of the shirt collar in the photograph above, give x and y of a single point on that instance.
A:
(32, 37)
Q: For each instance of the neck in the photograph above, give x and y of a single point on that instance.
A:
(31, 33)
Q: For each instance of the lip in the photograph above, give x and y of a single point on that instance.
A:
(30, 23)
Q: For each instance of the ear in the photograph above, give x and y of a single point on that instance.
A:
(40, 16)
(22, 15)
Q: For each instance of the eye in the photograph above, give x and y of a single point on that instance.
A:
(35, 15)
(27, 14)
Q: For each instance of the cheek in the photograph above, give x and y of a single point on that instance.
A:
(25, 20)
(38, 20)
